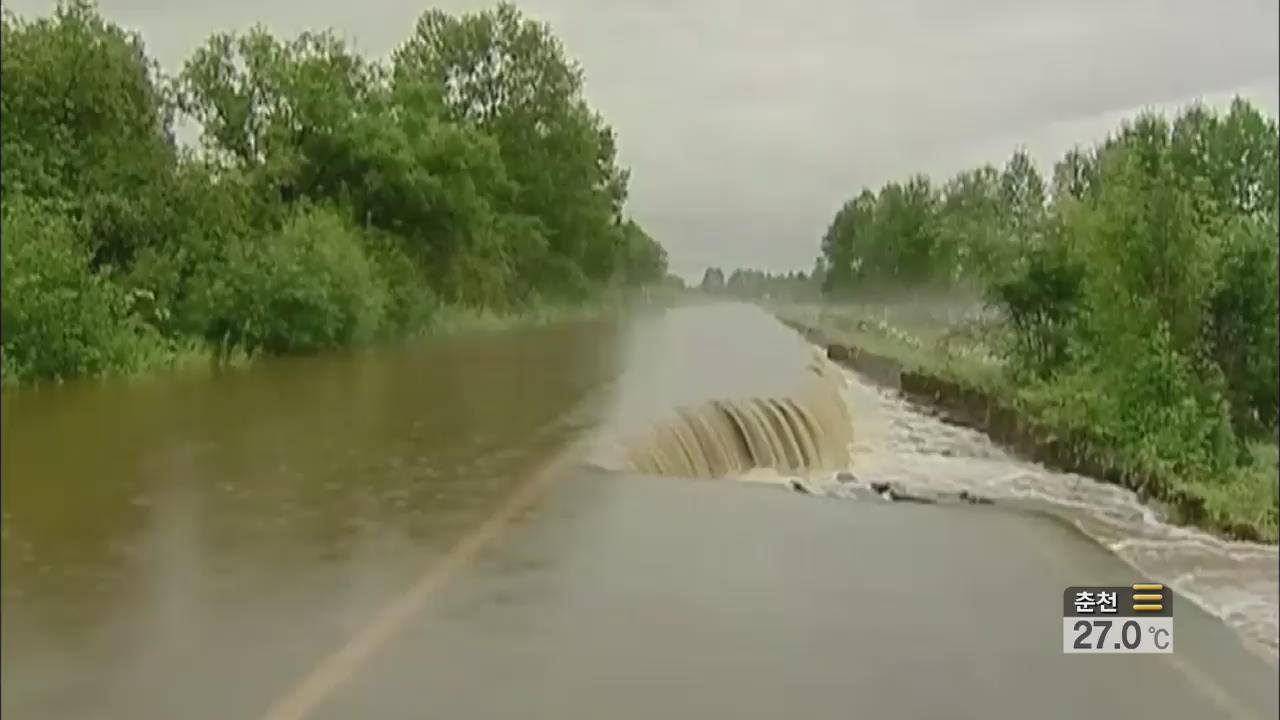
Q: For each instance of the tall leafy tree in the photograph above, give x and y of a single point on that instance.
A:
(1245, 175)
(509, 76)
(645, 260)
(88, 122)
(971, 218)
(1022, 191)
(1073, 176)
(846, 239)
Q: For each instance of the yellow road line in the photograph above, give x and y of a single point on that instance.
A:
(311, 690)
(315, 687)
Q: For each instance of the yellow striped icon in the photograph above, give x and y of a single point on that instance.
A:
(1144, 594)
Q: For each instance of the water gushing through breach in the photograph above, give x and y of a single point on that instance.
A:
(808, 430)
(897, 442)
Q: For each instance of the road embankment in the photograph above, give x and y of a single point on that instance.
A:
(979, 408)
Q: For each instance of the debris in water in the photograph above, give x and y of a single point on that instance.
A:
(972, 499)
(899, 496)
(896, 494)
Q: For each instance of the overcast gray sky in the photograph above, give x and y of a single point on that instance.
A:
(747, 124)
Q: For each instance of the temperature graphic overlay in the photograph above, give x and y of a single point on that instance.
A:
(1129, 619)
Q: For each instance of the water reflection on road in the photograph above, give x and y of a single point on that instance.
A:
(191, 546)
(176, 541)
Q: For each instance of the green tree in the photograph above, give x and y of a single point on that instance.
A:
(279, 107)
(333, 198)
(1139, 299)
(1147, 239)
(713, 280)
(1243, 322)
(916, 229)
(646, 260)
(845, 240)
(308, 287)
(309, 120)
(510, 77)
(1244, 175)
(1073, 176)
(88, 122)
(971, 217)
(1022, 192)
(61, 319)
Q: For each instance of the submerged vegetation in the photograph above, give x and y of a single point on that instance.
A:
(332, 199)
(1132, 295)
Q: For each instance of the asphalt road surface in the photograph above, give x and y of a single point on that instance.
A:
(415, 532)
(625, 597)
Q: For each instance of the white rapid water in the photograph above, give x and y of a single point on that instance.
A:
(692, 356)
(897, 442)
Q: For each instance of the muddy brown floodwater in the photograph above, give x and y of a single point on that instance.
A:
(449, 529)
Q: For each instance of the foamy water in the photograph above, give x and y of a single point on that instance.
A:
(895, 441)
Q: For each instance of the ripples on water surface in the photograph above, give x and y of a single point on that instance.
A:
(154, 530)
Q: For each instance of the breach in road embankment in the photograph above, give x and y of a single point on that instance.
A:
(938, 438)
(805, 431)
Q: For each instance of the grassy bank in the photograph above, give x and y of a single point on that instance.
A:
(950, 341)
(616, 302)
(195, 356)
(953, 354)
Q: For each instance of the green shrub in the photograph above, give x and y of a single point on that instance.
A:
(60, 319)
(306, 287)
(1146, 400)
(1041, 303)
(411, 305)
(1242, 322)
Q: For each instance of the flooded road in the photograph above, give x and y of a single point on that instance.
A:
(269, 544)
(187, 547)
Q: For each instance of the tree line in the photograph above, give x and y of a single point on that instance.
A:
(749, 284)
(331, 199)
(1137, 283)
